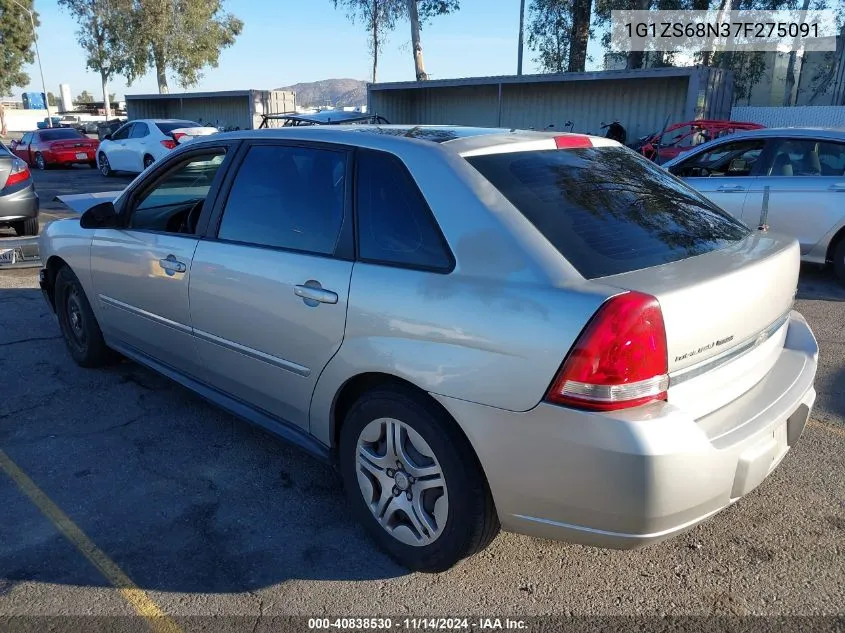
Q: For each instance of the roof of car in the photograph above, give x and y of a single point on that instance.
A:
(797, 132)
(460, 139)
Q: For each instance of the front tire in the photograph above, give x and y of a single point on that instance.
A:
(839, 261)
(414, 481)
(105, 167)
(27, 227)
(40, 163)
(79, 326)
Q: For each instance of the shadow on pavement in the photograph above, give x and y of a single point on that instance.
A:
(182, 496)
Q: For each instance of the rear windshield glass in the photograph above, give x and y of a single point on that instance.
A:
(168, 126)
(60, 134)
(608, 210)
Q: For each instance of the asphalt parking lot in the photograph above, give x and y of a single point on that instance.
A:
(143, 482)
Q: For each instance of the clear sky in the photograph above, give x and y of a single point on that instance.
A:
(290, 41)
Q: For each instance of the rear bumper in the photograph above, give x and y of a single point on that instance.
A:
(637, 477)
(69, 157)
(19, 205)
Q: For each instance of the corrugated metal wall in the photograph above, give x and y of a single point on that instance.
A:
(217, 111)
(798, 116)
(642, 104)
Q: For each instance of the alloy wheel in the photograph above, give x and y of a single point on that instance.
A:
(402, 482)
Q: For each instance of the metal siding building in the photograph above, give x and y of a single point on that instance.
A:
(641, 100)
(229, 109)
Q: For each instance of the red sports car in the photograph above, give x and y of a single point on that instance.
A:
(57, 146)
(682, 137)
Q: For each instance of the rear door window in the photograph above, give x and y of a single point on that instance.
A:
(607, 210)
(287, 197)
(139, 130)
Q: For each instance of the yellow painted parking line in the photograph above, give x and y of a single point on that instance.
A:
(158, 621)
(827, 427)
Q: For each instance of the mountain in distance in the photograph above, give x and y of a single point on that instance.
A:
(338, 92)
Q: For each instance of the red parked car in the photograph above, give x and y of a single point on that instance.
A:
(683, 137)
(57, 146)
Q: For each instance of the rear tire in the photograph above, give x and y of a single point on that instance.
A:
(27, 227)
(415, 528)
(839, 261)
(40, 163)
(105, 167)
(82, 334)
(148, 160)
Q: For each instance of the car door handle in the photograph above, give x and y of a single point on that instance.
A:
(313, 293)
(840, 186)
(172, 265)
(731, 188)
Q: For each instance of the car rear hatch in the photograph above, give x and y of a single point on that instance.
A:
(68, 145)
(724, 291)
(725, 315)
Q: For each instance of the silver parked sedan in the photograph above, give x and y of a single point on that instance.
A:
(480, 327)
(791, 179)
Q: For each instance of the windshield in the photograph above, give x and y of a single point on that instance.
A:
(607, 210)
(61, 134)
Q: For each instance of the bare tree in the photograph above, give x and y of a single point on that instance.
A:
(420, 11)
(379, 16)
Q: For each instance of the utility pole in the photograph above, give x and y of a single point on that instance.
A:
(38, 57)
(521, 31)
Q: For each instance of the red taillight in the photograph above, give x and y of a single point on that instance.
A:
(619, 361)
(169, 144)
(19, 173)
(178, 135)
(572, 141)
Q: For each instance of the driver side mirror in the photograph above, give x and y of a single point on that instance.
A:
(100, 216)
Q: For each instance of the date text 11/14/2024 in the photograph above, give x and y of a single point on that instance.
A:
(417, 624)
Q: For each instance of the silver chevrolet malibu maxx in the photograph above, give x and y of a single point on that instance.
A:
(479, 327)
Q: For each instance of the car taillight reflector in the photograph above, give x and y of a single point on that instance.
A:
(619, 361)
(571, 141)
(168, 143)
(178, 135)
(19, 173)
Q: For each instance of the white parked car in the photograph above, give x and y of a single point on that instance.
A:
(138, 144)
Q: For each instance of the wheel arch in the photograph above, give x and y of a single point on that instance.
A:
(53, 266)
(357, 385)
(834, 243)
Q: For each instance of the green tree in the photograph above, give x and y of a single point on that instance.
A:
(178, 36)
(16, 50)
(549, 32)
(85, 97)
(418, 13)
(103, 25)
(51, 99)
(379, 18)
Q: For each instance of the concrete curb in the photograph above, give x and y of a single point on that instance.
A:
(26, 252)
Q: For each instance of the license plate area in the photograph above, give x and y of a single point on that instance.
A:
(7, 256)
(82, 155)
